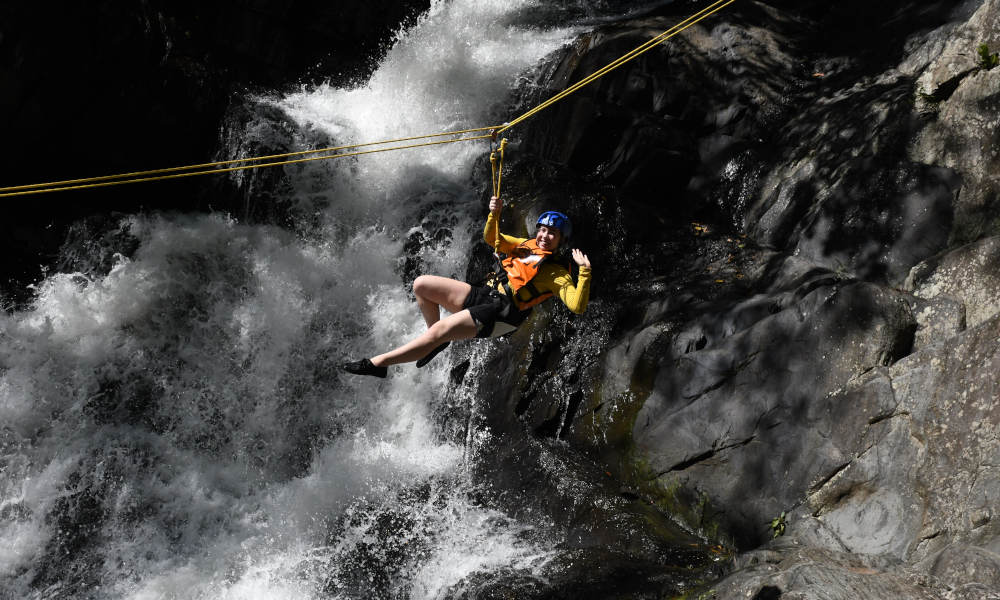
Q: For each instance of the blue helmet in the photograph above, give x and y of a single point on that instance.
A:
(558, 220)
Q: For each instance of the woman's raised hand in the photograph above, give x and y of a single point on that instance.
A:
(496, 205)
(580, 258)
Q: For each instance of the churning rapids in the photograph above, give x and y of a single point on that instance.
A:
(178, 429)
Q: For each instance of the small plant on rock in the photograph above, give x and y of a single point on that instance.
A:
(777, 525)
(986, 60)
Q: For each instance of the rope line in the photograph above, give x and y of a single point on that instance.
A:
(497, 177)
(211, 167)
(642, 49)
(140, 175)
(497, 169)
(243, 168)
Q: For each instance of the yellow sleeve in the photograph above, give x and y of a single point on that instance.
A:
(507, 242)
(556, 279)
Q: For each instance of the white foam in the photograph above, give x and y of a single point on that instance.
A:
(454, 70)
(193, 391)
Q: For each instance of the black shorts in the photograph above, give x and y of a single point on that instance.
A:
(493, 312)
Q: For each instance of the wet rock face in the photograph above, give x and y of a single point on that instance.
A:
(960, 98)
(616, 545)
(957, 565)
(968, 275)
(821, 340)
(742, 406)
(948, 410)
(807, 573)
(762, 128)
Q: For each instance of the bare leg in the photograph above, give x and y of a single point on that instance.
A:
(459, 326)
(433, 292)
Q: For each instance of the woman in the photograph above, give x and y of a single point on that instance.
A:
(528, 278)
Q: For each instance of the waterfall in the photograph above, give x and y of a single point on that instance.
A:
(177, 428)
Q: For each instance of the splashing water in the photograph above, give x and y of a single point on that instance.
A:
(453, 71)
(178, 429)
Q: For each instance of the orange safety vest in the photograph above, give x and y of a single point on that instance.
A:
(521, 266)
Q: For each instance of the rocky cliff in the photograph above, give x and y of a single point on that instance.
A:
(794, 328)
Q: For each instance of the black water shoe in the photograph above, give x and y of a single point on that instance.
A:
(423, 361)
(365, 367)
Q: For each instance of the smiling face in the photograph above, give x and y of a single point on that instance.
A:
(548, 238)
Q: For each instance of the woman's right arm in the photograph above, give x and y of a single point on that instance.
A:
(507, 242)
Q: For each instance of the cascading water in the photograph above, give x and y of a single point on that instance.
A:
(178, 428)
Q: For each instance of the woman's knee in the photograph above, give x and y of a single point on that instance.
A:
(422, 285)
(441, 290)
(439, 329)
(456, 326)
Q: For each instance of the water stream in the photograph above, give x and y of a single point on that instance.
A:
(178, 427)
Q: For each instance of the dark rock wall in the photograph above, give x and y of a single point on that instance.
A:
(792, 214)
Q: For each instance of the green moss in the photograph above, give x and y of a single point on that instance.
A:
(987, 60)
(778, 525)
(612, 419)
(671, 496)
(610, 431)
(609, 425)
(697, 594)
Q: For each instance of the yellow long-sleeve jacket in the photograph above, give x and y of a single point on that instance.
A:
(551, 277)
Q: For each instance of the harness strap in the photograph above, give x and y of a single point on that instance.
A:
(509, 292)
(512, 295)
(512, 301)
(534, 291)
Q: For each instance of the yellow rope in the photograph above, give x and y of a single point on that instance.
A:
(273, 164)
(666, 35)
(208, 168)
(139, 175)
(497, 171)
(497, 177)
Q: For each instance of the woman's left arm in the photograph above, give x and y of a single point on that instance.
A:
(575, 295)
